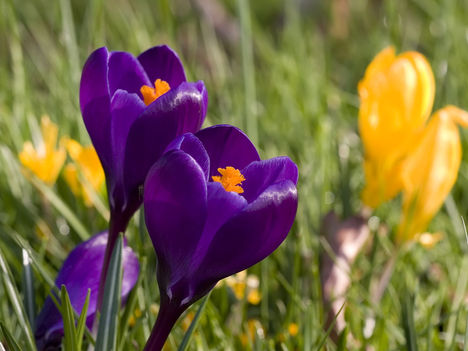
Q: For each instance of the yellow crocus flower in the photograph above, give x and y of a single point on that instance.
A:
(430, 170)
(396, 96)
(45, 161)
(86, 163)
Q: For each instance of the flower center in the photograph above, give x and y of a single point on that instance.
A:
(230, 179)
(150, 94)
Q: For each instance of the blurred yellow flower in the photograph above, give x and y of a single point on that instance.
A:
(154, 308)
(131, 321)
(137, 312)
(45, 161)
(187, 321)
(86, 163)
(293, 329)
(133, 318)
(254, 329)
(429, 240)
(242, 284)
(430, 170)
(396, 96)
(237, 284)
(254, 297)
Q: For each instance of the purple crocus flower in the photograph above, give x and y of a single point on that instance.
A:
(133, 107)
(212, 209)
(80, 271)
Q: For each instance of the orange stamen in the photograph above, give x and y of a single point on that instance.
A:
(230, 179)
(150, 94)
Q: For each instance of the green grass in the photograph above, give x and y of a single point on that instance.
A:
(282, 74)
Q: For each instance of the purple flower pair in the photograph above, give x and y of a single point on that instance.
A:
(212, 207)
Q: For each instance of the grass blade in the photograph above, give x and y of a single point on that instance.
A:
(9, 340)
(329, 330)
(248, 70)
(341, 343)
(62, 208)
(28, 289)
(36, 262)
(128, 311)
(81, 325)
(15, 300)
(107, 329)
(408, 322)
(69, 339)
(188, 335)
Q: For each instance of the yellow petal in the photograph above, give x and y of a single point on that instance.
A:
(89, 166)
(73, 147)
(430, 170)
(396, 100)
(49, 133)
(70, 173)
(45, 161)
(383, 180)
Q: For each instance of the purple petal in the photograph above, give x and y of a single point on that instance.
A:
(177, 112)
(95, 103)
(227, 146)
(161, 62)
(126, 73)
(125, 109)
(251, 235)
(222, 206)
(201, 88)
(93, 84)
(80, 271)
(175, 212)
(191, 145)
(261, 174)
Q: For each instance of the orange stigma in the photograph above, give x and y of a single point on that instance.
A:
(150, 94)
(230, 179)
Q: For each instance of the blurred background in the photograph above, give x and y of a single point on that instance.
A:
(286, 72)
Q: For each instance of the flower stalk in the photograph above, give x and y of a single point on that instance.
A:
(168, 314)
(117, 224)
